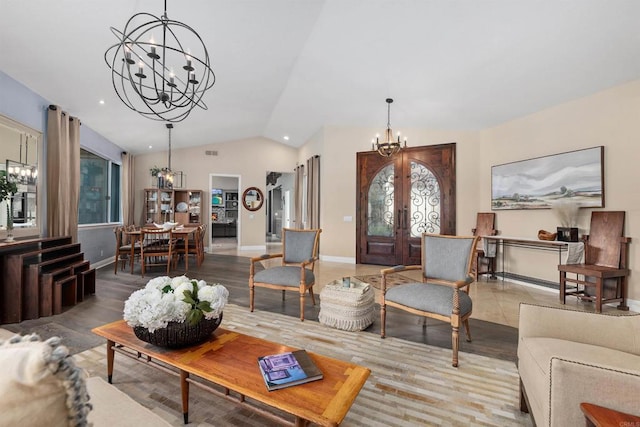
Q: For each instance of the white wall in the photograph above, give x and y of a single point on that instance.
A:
(610, 118)
(249, 158)
(338, 192)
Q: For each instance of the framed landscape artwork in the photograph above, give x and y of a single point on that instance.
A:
(576, 176)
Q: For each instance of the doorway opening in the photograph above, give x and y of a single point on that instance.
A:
(224, 196)
(279, 204)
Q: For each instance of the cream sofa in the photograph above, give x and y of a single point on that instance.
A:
(566, 357)
(40, 385)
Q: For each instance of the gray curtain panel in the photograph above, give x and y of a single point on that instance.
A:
(313, 192)
(63, 173)
(297, 196)
(128, 189)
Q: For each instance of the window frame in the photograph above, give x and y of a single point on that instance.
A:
(110, 191)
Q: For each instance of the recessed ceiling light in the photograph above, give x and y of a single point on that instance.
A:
(150, 147)
(286, 138)
(101, 102)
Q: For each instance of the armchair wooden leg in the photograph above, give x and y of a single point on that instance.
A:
(455, 342)
(251, 292)
(467, 330)
(302, 306)
(313, 298)
(383, 318)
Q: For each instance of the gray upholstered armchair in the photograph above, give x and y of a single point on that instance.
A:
(299, 254)
(447, 272)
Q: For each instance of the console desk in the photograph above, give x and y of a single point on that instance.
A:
(562, 248)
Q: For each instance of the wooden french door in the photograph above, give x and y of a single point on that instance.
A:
(401, 197)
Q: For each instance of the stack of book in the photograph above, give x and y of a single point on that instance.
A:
(288, 369)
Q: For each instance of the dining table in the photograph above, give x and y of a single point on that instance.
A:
(182, 232)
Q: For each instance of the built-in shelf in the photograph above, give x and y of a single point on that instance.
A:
(183, 206)
(224, 212)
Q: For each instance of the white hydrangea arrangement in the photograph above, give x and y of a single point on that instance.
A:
(178, 299)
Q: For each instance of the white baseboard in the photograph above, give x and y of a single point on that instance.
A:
(102, 263)
(634, 305)
(253, 248)
(340, 259)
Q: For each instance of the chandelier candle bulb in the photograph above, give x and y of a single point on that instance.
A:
(153, 53)
(127, 56)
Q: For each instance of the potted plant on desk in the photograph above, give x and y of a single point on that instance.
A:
(7, 189)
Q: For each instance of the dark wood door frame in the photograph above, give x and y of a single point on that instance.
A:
(402, 248)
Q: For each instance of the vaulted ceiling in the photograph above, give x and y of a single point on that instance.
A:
(289, 67)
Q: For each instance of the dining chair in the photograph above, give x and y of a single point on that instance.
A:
(158, 249)
(296, 272)
(123, 247)
(195, 246)
(443, 293)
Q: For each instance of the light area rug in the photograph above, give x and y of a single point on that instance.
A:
(411, 384)
(375, 280)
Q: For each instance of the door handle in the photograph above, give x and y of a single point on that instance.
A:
(399, 219)
(404, 218)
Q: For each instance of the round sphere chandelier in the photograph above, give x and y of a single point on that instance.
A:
(160, 68)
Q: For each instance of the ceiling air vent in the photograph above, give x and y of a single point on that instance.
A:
(211, 152)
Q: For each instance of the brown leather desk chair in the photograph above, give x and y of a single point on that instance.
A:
(485, 226)
(605, 268)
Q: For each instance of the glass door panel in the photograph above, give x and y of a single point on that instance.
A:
(425, 201)
(380, 215)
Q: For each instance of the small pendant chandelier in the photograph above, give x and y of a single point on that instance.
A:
(167, 173)
(390, 146)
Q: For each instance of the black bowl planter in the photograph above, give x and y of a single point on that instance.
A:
(177, 335)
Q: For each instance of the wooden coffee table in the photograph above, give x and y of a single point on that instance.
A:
(230, 360)
(599, 416)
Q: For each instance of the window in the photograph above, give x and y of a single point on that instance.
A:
(99, 190)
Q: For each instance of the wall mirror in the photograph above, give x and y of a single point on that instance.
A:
(252, 198)
(20, 148)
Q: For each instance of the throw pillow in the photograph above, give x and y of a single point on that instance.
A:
(40, 384)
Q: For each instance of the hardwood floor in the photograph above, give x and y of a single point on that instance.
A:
(492, 324)
(75, 323)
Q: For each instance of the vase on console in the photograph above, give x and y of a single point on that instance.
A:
(8, 188)
(567, 212)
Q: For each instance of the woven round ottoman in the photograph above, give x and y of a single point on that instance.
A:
(348, 308)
